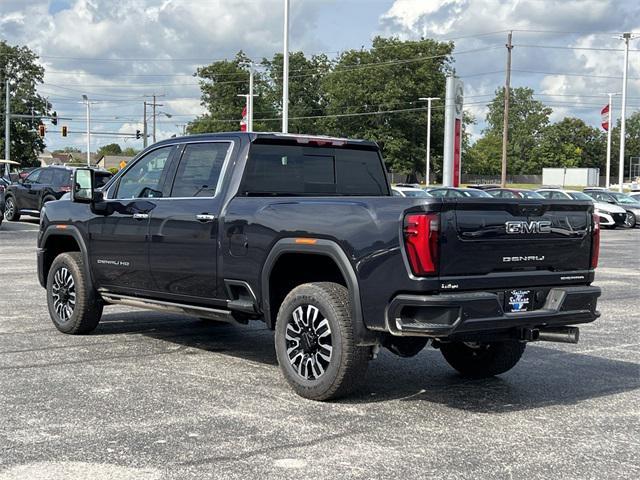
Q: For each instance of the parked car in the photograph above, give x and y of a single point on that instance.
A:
(42, 185)
(4, 183)
(628, 203)
(610, 216)
(397, 191)
(513, 193)
(457, 192)
(220, 226)
(483, 186)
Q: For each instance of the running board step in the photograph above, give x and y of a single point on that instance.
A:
(163, 306)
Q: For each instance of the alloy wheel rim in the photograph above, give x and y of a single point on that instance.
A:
(9, 211)
(63, 292)
(629, 219)
(308, 342)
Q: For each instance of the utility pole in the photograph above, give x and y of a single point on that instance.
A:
(86, 100)
(144, 126)
(428, 159)
(7, 125)
(505, 126)
(285, 71)
(154, 118)
(626, 37)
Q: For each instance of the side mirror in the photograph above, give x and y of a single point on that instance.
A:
(83, 182)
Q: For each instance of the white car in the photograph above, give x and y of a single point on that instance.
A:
(610, 215)
(408, 192)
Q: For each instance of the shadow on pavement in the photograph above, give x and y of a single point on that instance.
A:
(545, 376)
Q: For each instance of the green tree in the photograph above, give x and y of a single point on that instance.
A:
(392, 75)
(130, 152)
(221, 83)
(484, 156)
(631, 144)
(110, 149)
(528, 119)
(19, 65)
(570, 143)
(306, 95)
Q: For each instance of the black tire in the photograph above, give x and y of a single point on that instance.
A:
(481, 360)
(11, 212)
(48, 198)
(81, 316)
(630, 220)
(315, 376)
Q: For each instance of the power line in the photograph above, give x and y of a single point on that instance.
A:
(559, 47)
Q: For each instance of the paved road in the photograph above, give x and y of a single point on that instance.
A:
(156, 396)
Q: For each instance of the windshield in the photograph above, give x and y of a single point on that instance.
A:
(580, 196)
(415, 193)
(528, 194)
(624, 199)
(476, 193)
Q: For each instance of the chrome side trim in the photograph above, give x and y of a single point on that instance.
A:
(163, 306)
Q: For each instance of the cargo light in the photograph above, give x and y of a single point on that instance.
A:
(320, 141)
(421, 240)
(595, 244)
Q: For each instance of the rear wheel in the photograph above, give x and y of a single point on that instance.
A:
(48, 198)
(74, 306)
(480, 360)
(630, 220)
(11, 212)
(315, 342)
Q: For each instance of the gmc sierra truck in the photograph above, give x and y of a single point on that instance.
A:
(304, 234)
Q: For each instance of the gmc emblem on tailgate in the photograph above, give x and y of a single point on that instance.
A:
(519, 227)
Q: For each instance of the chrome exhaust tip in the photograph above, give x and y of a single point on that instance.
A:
(559, 334)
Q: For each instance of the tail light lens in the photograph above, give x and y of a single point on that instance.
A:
(65, 188)
(1, 188)
(421, 235)
(595, 244)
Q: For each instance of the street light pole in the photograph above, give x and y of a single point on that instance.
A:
(609, 126)
(154, 119)
(626, 37)
(428, 159)
(285, 71)
(86, 100)
(7, 126)
(250, 102)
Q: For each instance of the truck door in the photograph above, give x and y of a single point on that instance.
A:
(119, 246)
(183, 230)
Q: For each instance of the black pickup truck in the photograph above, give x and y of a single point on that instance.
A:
(303, 234)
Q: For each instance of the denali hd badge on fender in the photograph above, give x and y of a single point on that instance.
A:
(520, 227)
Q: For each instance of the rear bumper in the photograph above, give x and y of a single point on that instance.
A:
(459, 314)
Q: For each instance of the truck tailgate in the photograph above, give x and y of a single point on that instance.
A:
(488, 236)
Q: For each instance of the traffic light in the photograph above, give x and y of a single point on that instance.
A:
(41, 130)
(64, 130)
(54, 118)
(138, 134)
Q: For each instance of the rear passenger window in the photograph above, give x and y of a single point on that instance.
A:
(61, 178)
(46, 177)
(199, 169)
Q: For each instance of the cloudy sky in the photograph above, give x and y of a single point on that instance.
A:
(118, 51)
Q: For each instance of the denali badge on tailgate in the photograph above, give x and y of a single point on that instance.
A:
(520, 227)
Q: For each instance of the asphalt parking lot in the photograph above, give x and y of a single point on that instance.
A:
(157, 396)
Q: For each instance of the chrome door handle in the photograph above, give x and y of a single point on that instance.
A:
(140, 216)
(205, 217)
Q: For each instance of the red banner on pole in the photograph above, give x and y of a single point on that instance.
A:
(243, 122)
(605, 117)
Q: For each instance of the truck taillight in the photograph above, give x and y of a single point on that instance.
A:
(421, 234)
(595, 244)
(65, 188)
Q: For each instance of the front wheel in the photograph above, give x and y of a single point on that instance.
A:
(630, 220)
(11, 212)
(315, 342)
(74, 306)
(481, 360)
